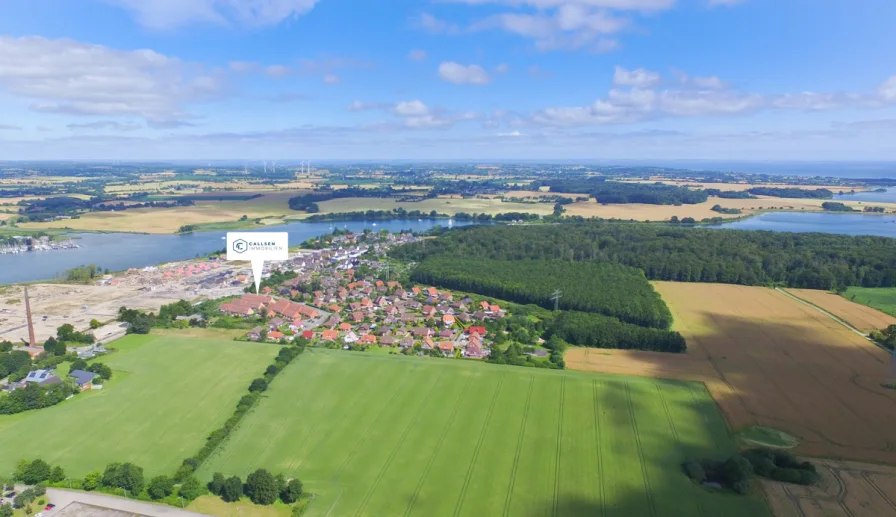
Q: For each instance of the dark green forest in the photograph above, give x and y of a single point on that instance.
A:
(601, 287)
(599, 331)
(614, 192)
(807, 260)
(796, 193)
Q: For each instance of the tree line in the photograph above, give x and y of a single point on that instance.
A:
(796, 193)
(802, 260)
(616, 192)
(602, 287)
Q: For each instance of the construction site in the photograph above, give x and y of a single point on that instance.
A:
(53, 305)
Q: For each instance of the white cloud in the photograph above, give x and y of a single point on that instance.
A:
(503, 68)
(570, 26)
(241, 67)
(887, 90)
(429, 23)
(417, 55)
(640, 78)
(413, 108)
(66, 76)
(460, 74)
(168, 14)
(106, 124)
(10, 127)
(332, 79)
(277, 71)
(357, 105)
(620, 5)
(724, 2)
(511, 134)
(712, 82)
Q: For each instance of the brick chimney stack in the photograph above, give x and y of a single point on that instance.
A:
(31, 340)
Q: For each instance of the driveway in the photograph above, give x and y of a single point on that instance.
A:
(62, 498)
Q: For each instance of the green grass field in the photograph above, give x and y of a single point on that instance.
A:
(389, 435)
(882, 298)
(166, 395)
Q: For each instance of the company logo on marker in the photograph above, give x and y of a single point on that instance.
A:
(240, 246)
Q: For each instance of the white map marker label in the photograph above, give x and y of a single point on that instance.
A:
(257, 247)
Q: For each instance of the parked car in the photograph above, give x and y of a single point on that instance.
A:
(49, 507)
(10, 495)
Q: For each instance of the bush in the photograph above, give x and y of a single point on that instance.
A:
(216, 484)
(262, 487)
(737, 469)
(160, 487)
(35, 472)
(291, 492)
(126, 476)
(57, 474)
(190, 489)
(258, 385)
(231, 489)
(695, 471)
(92, 481)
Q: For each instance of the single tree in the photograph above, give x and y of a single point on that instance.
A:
(57, 474)
(232, 489)
(94, 323)
(160, 487)
(261, 487)
(258, 385)
(92, 481)
(36, 472)
(190, 489)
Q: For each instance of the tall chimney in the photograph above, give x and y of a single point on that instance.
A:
(31, 340)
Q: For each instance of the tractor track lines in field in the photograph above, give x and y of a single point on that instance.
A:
(437, 448)
(488, 418)
(348, 413)
(631, 408)
(559, 448)
(866, 475)
(363, 439)
(398, 444)
(671, 420)
(597, 435)
(275, 434)
(519, 446)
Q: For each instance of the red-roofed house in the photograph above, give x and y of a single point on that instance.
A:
(308, 334)
(476, 329)
(448, 320)
(345, 327)
(432, 291)
(367, 339)
(447, 347)
(329, 335)
(483, 306)
(276, 335)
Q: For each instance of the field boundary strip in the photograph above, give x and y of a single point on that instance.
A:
(631, 409)
(825, 312)
(559, 447)
(597, 435)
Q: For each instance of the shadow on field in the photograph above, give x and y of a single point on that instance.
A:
(810, 377)
(645, 437)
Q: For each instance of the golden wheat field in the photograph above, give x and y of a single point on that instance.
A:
(770, 360)
(859, 316)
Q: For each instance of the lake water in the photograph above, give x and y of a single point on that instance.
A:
(870, 197)
(120, 251)
(799, 222)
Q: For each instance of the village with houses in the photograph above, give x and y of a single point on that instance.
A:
(328, 302)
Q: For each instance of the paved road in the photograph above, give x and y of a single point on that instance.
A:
(61, 498)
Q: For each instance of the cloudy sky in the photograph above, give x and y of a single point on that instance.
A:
(447, 79)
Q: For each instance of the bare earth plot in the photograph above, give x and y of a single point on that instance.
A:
(382, 435)
(770, 360)
(847, 489)
(861, 317)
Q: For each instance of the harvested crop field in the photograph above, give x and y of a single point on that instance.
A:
(378, 435)
(859, 316)
(847, 489)
(770, 360)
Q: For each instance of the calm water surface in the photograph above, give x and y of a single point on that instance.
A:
(870, 197)
(845, 224)
(120, 251)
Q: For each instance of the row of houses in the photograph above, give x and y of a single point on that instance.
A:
(82, 379)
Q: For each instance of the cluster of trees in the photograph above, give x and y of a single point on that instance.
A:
(833, 206)
(796, 193)
(308, 202)
(256, 388)
(602, 287)
(140, 322)
(803, 260)
(874, 209)
(736, 472)
(729, 194)
(13, 361)
(83, 274)
(34, 396)
(886, 337)
(67, 334)
(377, 215)
(599, 331)
(615, 192)
(721, 210)
(114, 478)
(261, 487)
(103, 371)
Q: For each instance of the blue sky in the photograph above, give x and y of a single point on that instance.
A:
(447, 79)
